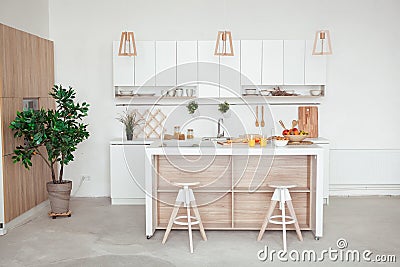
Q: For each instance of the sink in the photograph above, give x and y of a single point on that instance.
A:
(187, 143)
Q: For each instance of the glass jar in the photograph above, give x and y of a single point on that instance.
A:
(189, 134)
(177, 131)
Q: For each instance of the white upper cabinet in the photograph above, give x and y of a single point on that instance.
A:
(165, 63)
(208, 70)
(272, 62)
(186, 60)
(145, 63)
(315, 67)
(251, 56)
(123, 68)
(230, 73)
(293, 65)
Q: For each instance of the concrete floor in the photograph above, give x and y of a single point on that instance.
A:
(99, 234)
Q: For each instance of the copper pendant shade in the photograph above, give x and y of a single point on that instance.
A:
(127, 45)
(322, 43)
(224, 45)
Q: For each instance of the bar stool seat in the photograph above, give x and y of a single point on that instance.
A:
(186, 197)
(281, 195)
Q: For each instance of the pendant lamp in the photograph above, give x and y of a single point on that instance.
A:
(322, 43)
(224, 45)
(127, 45)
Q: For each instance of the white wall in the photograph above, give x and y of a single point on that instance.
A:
(26, 15)
(362, 95)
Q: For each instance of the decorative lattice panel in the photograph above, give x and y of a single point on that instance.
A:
(152, 126)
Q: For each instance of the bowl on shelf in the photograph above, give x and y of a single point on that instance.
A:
(251, 91)
(296, 138)
(280, 142)
(125, 92)
(265, 92)
(315, 92)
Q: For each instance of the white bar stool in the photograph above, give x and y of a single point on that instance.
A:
(185, 197)
(282, 195)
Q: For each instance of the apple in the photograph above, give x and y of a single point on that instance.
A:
(285, 132)
(295, 131)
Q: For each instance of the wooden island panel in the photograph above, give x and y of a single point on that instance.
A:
(210, 171)
(250, 210)
(215, 209)
(251, 172)
(233, 191)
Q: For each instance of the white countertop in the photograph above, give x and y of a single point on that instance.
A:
(148, 141)
(235, 149)
(136, 141)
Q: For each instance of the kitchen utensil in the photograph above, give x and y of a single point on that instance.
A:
(262, 116)
(257, 124)
(296, 138)
(308, 120)
(294, 123)
(283, 125)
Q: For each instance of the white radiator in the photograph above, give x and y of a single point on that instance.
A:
(364, 172)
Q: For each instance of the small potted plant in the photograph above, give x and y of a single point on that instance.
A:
(53, 135)
(129, 119)
(224, 108)
(192, 107)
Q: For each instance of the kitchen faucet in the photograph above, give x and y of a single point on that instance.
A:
(219, 134)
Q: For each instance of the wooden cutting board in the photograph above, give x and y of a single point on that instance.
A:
(308, 120)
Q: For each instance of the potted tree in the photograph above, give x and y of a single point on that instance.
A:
(52, 135)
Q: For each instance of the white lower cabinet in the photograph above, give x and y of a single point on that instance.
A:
(127, 173)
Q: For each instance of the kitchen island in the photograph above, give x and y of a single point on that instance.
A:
(233, 193)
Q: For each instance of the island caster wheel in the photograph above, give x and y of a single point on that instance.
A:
(54, 217)
(69, 215)
(316, 238)
(148, 237)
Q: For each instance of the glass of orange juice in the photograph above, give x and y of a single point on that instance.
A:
(252, 141)
(263, 141)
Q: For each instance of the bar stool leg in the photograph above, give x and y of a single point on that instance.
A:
(197, 213)
(171, 220)
(283, 219)
(296, 223)
(269, 213)
(189, 219)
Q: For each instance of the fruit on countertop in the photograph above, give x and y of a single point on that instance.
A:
(279, 138)
(293, 130)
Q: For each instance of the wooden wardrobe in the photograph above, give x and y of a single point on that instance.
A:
(26, 71)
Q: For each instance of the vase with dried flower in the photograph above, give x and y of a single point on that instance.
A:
(129, 119)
